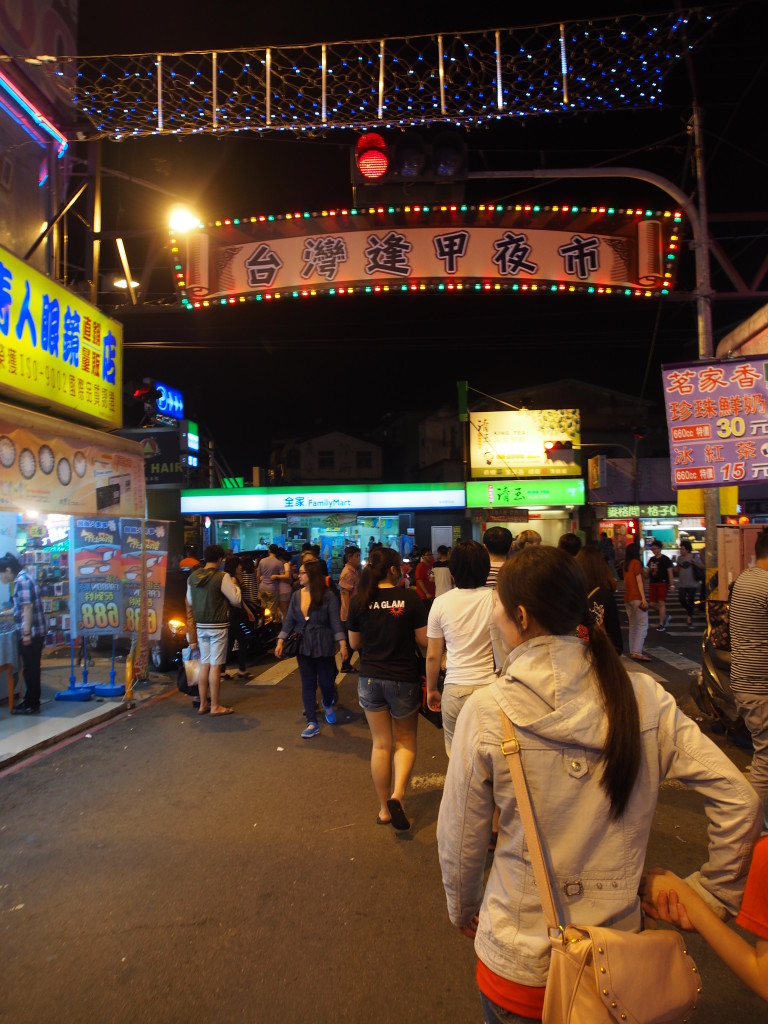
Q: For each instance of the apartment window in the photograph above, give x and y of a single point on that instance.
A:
(325, 460)
(363, 460)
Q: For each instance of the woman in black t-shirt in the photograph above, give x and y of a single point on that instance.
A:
(385, 624)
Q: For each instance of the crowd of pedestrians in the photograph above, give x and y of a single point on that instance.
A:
(531, 633)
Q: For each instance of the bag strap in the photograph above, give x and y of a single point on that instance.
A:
(510, 748)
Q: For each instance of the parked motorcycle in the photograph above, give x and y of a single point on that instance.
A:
(711, 689)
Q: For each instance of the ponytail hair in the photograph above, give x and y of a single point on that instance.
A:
(551, 586)
(380, 561)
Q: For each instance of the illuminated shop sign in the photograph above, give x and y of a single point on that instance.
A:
(358, 498)
(717, 417)
(56, 350)
(525, 442)
(444, 247)
(170, 401)
(525, 493)
(640, 512)
(66, 468)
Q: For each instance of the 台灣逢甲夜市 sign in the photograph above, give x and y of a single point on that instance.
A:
(453, 247)
(717, 418)
(57, 351)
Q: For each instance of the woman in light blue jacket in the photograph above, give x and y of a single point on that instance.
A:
(596, 745)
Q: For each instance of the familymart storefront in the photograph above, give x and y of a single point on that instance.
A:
(396, 515)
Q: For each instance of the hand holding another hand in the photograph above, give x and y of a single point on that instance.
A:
(661, 893)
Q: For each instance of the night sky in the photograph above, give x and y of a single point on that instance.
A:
(256, 374)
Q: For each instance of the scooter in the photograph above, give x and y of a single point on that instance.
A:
(712, 688)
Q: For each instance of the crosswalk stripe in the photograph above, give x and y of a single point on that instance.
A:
(275, 673)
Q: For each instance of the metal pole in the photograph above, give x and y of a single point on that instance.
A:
(704, 319)
(441, 74)
(323, 110)
(381, 78)
(94, 161)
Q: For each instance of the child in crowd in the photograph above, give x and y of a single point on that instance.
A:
(667, 898)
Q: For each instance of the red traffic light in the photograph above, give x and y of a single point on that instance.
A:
(371, 156)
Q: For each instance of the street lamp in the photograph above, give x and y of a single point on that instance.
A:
(182, 219)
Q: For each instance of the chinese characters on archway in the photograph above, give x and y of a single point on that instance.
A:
(394, 248)
(390, 254)
(717, 416)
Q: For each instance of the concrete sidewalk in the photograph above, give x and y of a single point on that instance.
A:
(22, 735)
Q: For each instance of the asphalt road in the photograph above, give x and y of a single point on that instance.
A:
(174, 868)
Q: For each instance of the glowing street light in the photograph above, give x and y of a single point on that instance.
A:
(182, 219)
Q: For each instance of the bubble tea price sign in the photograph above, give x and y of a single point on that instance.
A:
(717, 420)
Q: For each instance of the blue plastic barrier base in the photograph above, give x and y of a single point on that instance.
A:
(107, 690)
(75, 693)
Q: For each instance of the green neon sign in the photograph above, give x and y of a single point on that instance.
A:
(542, 491)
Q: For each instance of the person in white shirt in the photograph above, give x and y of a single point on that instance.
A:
(460, 624)
(441, 571)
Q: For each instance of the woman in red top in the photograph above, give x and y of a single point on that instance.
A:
(635, 603)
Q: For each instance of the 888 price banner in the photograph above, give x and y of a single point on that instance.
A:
(97, 585)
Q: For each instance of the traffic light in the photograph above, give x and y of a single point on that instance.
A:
(371, 157)
(409, 165)
(148, 394)
(560, 451)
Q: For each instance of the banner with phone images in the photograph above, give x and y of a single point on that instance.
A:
(112, 570)
(144, 570)
(96, 586)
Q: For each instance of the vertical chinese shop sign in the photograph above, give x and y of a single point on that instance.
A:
(717, 422)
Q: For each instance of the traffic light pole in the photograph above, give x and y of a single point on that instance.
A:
(698, 221)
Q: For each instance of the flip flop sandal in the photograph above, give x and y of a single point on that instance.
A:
(399, 819)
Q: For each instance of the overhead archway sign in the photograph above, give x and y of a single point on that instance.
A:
(451, 247)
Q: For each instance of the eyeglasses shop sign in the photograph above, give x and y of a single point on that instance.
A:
(56, 349)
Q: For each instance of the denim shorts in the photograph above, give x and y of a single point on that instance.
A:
(495, 1014)
(400, 699)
